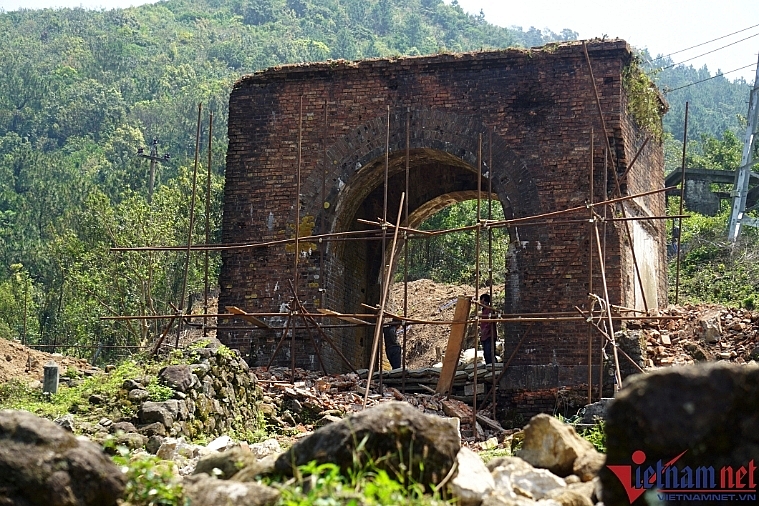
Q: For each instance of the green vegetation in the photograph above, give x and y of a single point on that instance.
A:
(81, 91)
(17, 395)
(643, 99)
(150, 481)
(325, 485)
(450, 258)
(596, 435)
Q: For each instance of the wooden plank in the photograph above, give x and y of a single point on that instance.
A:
(247, 317)
(455, 343)
(350, 319)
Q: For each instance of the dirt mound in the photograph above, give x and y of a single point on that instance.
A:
(25, 364)
(428, 301)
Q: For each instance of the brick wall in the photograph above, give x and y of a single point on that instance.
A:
(536, 107)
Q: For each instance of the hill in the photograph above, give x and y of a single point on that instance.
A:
(81, 91)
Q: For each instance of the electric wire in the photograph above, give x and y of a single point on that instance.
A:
(708, 52)
(703, 43)
(708, 78)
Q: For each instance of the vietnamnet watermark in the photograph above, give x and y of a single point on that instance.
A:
(684, 483)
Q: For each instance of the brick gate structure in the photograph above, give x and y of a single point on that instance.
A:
(538, 106)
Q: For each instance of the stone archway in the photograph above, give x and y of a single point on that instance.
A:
(538, 106)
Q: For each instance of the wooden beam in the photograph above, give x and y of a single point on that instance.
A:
(248, 318)
(340, 316)
(455, 342)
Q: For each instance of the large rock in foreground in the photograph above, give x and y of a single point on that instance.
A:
(708, 413)
(43, 464)
(394, 435)
(552, 445)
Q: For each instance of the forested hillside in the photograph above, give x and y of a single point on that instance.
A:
(81, 91)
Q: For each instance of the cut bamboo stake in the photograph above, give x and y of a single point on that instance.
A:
(383, 300)
(297, 228)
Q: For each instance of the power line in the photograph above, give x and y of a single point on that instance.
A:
(703, 43)
(708, 52)
(709, 78)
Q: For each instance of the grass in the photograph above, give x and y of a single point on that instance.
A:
(16, 395)
(325, 485)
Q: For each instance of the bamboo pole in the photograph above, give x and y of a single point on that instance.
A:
(192, 224)
(383, 299)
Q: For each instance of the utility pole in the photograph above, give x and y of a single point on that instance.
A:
(154, 158)
(738, 215)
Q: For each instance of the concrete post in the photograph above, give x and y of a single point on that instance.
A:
(50, 382)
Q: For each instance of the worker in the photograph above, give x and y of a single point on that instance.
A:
(392, 348)
(488, 330)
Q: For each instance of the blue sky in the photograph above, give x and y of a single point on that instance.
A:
(662, 26)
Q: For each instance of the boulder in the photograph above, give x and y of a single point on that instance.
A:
(392, 434)
(151, 412)
(226, 464)
(569, 497)
(138, 395)
(122, 427)
(266, 448)
(513, 477)
(202, 490)
(473, 480)
(552, 445)
(587, 465)
(708, 327)
(178, 377)
(592, 413)
(66, 421)
(43, 464)
(706, 412)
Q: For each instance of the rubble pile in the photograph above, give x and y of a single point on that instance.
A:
(705, 333)
(314, 400)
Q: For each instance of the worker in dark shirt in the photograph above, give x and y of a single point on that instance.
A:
(392, 348)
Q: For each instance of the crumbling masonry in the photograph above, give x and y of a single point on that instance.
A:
(538, 106)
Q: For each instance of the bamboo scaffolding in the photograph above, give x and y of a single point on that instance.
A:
(590, 272)
(383, 300)
(616, 177)
(387, 313)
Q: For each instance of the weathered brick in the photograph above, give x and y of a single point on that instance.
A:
(539, 107)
